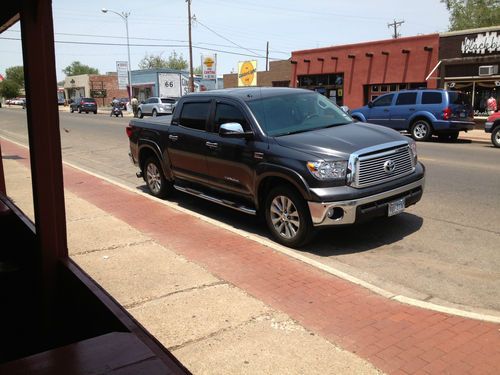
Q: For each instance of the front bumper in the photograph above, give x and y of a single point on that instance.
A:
(356, 210)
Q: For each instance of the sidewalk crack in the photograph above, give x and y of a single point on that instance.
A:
(199, 287)
(112, 247)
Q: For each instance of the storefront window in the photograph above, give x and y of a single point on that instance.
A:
(478, 92)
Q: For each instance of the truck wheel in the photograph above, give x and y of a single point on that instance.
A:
(288, 217)
(139, 113)
(153, 175)
(421, 130)
(495, 137)
(154, 114)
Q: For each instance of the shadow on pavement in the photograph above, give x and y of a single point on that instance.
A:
(329, 241)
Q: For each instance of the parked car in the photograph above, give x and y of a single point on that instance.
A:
(83, 105)
(421, 112)
(492, 125)
(156, 106)
(288, 154)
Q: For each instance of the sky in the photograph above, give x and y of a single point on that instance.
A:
(236, 30)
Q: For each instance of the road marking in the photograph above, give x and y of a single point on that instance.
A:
(286, 251)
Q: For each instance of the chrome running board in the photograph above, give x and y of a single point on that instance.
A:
(222, 202)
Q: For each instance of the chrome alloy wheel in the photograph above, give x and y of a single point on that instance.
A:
(496, 138)
(285, 217)
(153, 178)
(421, 130)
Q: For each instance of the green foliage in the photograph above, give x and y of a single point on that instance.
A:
(16, 74)
(471, 14)
(77, 68)
(9, 88)
(174, 61)
(198, 70)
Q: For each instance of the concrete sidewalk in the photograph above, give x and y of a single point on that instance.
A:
(224, 304)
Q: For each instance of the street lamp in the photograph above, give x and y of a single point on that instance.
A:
(124, 16)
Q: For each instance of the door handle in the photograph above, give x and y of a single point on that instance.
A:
(173, 137)
(212, 144)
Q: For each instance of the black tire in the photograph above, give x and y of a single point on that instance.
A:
(95, 112)
(291, 226)
(421, 130)
(448, 137)
(154, 114)
(495, 137)
(140, 114)
(157, 184)
(71, 110)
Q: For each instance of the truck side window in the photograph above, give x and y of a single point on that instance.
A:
(383, 101)
(194, 115)
(406, 98)
(225, 113)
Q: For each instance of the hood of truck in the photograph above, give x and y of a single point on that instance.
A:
(340, 141)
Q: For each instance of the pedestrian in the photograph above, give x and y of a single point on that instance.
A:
(491, 105)
(135, 105)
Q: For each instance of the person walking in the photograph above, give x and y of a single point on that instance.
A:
(135, 105)
(491, 105)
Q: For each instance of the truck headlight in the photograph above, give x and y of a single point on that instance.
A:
(413, 148)
(328, 170)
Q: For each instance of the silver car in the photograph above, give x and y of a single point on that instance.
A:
(156, 106)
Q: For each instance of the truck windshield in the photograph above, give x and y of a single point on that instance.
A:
(298, 112)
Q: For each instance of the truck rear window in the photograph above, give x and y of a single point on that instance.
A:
(459, 98)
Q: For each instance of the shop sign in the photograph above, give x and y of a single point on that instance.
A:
(98, 93)
(169, 84)
(483, 43)
(209, 64)
(247, 73)
(122, 71)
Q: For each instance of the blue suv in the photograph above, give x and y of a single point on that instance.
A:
(422, 112)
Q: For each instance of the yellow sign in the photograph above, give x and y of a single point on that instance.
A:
(208, 62)
(247, 73)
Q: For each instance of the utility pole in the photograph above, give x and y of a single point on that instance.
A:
(191, 77)
(267, 56)
(395, 25)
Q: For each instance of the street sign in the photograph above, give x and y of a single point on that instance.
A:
(209, 66)
(122, 70)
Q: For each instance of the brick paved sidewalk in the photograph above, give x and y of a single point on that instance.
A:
(396, 338)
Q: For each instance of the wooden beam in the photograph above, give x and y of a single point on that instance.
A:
(43, 130)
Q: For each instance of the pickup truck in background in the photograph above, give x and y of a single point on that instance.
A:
(287, 154)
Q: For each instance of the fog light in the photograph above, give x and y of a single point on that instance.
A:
(335, 213)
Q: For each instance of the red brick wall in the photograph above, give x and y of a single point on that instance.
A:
(396, 67)
(110, 84)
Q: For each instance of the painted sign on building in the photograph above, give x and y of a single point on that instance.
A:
(172, 85)
(209, 66)
(122, 71)
(247, 73)
(483, 43)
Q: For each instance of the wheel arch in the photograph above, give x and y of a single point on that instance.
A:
(149, 149)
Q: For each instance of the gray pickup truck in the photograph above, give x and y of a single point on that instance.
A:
(290, 155)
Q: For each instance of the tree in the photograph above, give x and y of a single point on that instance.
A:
(471, 14)
(15, 74)
(77, 68)
(174, 61)
(198, 70)
(9, 89)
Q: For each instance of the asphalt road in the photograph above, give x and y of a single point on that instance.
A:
(444, 250)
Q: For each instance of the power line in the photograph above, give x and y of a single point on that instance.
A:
(149, 45)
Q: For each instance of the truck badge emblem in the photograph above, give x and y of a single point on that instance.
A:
(389, 166)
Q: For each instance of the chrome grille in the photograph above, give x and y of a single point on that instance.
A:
(375, 168)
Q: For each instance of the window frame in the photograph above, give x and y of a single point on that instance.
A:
(207, 118)
(400, 94)
(381, 97)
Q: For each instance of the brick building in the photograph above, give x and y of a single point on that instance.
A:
(101, 87)
(354, 74)
(278, 75)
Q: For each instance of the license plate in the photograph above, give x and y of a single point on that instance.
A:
(396, 207)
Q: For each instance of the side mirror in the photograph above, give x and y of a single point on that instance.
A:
(345, 109)
(142, 102)
(233, 130)
(370, 104)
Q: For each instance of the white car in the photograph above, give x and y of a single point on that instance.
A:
(156, 106)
